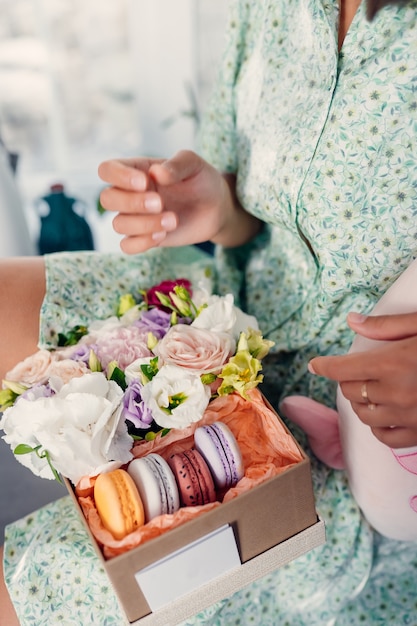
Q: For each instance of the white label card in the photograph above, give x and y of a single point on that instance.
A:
(190, 567)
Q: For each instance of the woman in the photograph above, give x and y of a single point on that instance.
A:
(313, 123)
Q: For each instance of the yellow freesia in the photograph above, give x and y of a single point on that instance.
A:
(240, 374)
(126, 302)
(257, 345)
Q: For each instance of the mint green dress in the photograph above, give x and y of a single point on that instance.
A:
(324, 145)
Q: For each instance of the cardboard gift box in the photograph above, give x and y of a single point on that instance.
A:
(263, 524)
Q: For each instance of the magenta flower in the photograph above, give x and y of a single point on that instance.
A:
(166, 287)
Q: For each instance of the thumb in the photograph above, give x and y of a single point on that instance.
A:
(384, 327)
(184, 164)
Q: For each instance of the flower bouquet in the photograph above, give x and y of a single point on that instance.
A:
(78, 410)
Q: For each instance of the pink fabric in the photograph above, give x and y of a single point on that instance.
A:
(321, 425)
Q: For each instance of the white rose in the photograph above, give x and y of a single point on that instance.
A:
(195, 349)
(80, 427)
(176, 385)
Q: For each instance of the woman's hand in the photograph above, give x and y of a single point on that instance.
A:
(174, 202)
(381, 383)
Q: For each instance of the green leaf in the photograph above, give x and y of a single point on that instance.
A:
(73, 336)
(119, 377)
(23, 448)
(7, 398)
(149, 370)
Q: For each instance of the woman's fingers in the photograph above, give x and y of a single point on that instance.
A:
(381, 383)
(147, 225)
(181, 167)
(396, 437)
(400, 392)
(141, 243)
(129, 174)
(380, 363)
(384, 327)
(121, 201)
(354, 366)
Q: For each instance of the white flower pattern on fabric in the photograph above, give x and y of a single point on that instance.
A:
(337, 163)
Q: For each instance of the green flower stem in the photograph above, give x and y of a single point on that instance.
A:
(23, 448)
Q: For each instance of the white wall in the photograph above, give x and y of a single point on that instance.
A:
(94, 79)
(163, 41)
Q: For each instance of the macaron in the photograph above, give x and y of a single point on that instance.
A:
(118, 503)
(218, 446)
(156, 485)
(194, 479)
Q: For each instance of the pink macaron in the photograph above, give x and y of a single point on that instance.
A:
(194, 479)
(217, 444)
(156, 484)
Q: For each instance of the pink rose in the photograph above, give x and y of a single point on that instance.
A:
(195, 349)
(67, 369)
(34, 369)
(122, 344)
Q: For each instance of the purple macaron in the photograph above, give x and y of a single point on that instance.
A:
(217, 444)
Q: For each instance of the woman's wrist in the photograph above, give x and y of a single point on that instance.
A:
(238, 226)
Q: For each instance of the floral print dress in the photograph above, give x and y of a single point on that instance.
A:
(324, 147)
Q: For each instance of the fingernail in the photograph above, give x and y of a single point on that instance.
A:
(168, 221)
(357, 318)
(138, 181)
(153, 204)
(159, 236)
(311, 368)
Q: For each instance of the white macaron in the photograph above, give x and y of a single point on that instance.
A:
(156, 484)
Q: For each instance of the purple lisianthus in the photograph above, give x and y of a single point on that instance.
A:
(82, 352)
(134, 408)
(155, 321)
(37, 391)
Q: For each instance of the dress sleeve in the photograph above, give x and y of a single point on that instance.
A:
(217, 131)
(217, 138)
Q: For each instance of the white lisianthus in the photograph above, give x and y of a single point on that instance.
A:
(101, 328)
(176, 397)
(131, 316)
(244, 322)
(221, 315)
(134, 370)
(80, 427)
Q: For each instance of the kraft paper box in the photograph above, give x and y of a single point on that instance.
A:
(217, 553)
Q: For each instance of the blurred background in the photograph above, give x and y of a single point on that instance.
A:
(81, 82)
